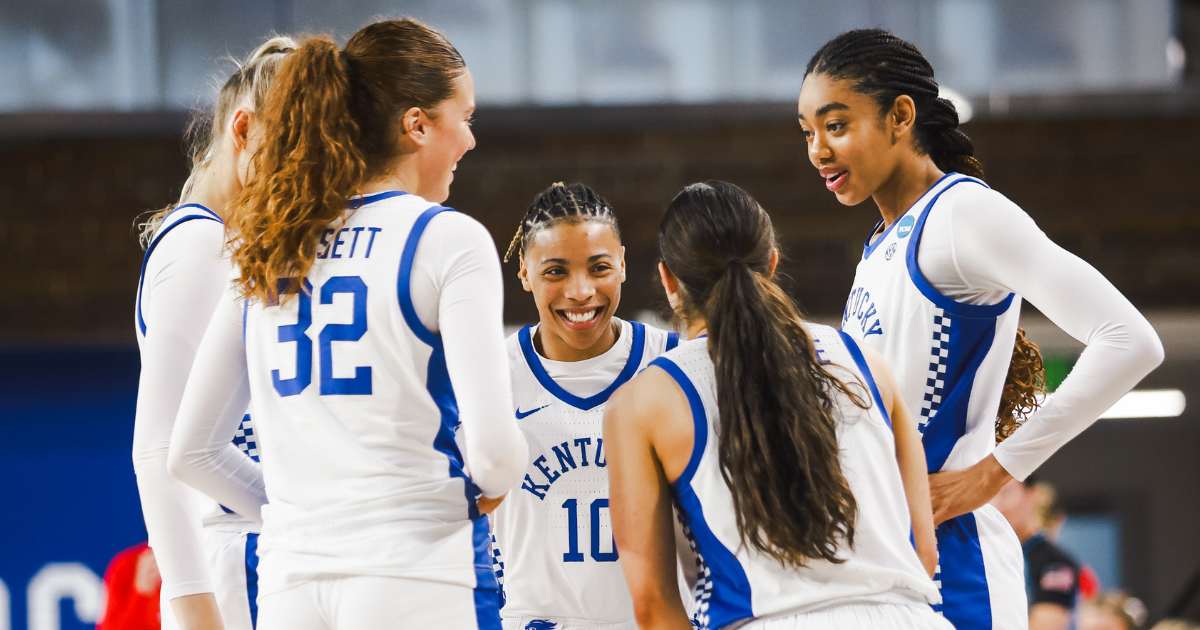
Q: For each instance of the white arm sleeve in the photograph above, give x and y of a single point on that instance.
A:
(218, 392)
(184, 279)
(993, 245)
(458, 291)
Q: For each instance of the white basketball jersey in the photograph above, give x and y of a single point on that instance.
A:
(738, 583)
(950, 358)
(357, 416)
(215, 515)
(553, 531)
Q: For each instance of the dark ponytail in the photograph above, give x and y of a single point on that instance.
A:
(328, 126)
(885, 67)
(777, 437)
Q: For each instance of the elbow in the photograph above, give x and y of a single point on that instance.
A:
(181, 464)
(1147, 348)
(498, 470)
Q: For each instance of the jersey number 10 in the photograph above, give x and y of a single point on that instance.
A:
(360, 384)
(573, 554)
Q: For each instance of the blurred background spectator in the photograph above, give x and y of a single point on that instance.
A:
(1112, 611)
(131, 587)
(1052, 576)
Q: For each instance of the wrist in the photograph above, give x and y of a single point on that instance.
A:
(994, 474)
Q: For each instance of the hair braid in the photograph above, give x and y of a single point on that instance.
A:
(560, 202)
(885, 67)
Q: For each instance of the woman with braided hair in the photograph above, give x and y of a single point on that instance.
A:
(938, 292)
(553, 537)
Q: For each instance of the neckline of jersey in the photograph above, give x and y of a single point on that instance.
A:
(358, 201)
(869, 248)
(591, 402)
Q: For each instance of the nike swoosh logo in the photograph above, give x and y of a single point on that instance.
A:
(526, 414)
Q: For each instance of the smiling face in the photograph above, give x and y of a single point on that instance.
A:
(856, 148)
(448, 138)
(575, 268)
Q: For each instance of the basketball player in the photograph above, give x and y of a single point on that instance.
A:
(795, 466)
(208, 578)
(560, 566)
(938, 292)
(366, 328)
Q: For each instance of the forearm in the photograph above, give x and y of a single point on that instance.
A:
(470, 319)
(910, 455)
(999, 246)
(218, 392)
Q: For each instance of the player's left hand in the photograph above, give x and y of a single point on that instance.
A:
(961, 491)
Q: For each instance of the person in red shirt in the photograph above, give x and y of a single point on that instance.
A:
(131, 585)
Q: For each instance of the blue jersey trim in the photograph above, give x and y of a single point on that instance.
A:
(869, 247)
(970, 341)
(214, 215)
(209, 215)
(252, 577)
(403, 290)
(636, 351)
(487, 609)
(358, 202)
(699, 418)
(731, 596)
(672, 341)
(861, 362)
(441, 390)
(966, 600)
(926, 289)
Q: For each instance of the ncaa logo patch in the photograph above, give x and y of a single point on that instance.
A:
(905, 226)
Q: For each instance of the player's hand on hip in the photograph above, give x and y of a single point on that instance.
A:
(957, 492)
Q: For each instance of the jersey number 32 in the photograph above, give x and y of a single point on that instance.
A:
(360, 383)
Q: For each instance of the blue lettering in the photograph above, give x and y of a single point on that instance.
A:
(371, 243)
(325, 243)
(337, 241)
(876, 329)
(564, 458)
(534, 488)
(540, 464)
(354, 243)
(600, 453)
(582, 450)
(866, 317)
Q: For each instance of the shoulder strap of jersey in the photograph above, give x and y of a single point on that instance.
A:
(923, 285)
(181, 214)
(404, 281)
(861, 362)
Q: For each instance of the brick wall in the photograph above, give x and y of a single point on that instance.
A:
(1122, 193)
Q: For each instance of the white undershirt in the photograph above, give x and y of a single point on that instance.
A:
(977, 247)
(456, 289)
(185, 277)
(591, 376)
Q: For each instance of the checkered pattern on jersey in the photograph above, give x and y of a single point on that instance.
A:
(702, 591)
(498, 567)
(244, 438)
(935, 382)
